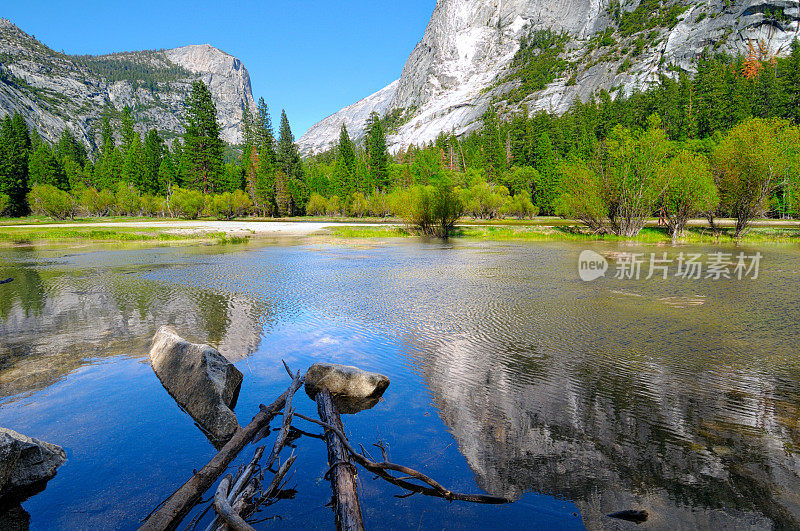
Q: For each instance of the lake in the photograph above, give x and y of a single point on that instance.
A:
(509, 375)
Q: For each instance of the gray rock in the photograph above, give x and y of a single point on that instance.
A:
(200, 379)
(25, 463)
(353, 389)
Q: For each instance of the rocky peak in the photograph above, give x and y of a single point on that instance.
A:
(54, 91)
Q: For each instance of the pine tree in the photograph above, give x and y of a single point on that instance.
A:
(128, 130)
(203, 148)
(45, 168)
(491, 146)
(288, 162)
(346, 153)
(791, 83)
(167, 173)
(133, 169)
(15, 147)
(67, 146)
(378, 154)
(153, 152)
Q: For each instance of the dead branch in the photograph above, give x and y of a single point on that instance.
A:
(224, 509)
(177, 506)
(240, 482)
(430, 487)
(283, 435)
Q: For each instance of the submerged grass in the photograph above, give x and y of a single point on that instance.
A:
(694, 235)
(22, 236)
(370, 232)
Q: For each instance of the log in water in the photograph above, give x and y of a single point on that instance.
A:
(342, 473)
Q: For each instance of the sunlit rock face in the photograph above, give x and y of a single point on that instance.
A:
(452, 75)
(55, 92)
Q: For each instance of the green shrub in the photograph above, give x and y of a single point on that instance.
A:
(49, 200)
(334, 206)
(229, 205)
(128, 201)
(186, 204)
(359, 207)
(96, 203)
(484, 200)
(153, 206)
(431, 210)
(317, 205)
(520, 206)
(379, 204)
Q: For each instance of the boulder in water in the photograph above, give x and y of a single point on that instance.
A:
(200, 379)
(26, 463)
(352, 389)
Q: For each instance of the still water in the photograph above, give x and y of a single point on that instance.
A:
(509, 375)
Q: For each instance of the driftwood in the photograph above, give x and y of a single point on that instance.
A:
(239, 483)
(342, 471)
(224, 509)
(429, 487)
(178, 505)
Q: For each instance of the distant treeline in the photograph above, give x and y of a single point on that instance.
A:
(719, 143)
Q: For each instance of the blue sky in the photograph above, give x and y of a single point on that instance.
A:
(310, 57)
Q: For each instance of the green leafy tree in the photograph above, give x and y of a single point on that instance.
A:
(750, 163)
(96, 203)
(688, 189)
(186, 203)
(583, 195)
(127, 199)
(635, 187)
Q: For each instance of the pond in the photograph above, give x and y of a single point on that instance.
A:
(509, 375)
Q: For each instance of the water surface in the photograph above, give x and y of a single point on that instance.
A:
(509, 375)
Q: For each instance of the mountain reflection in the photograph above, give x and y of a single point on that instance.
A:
(718, 450)
(53, 321)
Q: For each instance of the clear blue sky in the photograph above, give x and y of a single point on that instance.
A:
(310, 57)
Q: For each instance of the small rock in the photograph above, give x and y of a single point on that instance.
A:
(200, 379)
(25, 463)
(353, 389)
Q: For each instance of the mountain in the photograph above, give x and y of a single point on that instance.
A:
(54, 91)
(547, 53)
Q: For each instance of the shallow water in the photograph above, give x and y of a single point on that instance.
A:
(509, 375)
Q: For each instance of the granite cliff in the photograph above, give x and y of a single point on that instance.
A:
(470, 57)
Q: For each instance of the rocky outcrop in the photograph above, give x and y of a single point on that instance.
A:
(318, 138)
(26, 463)
(200, 379)
(459, 66)
(353, 389)
(54, 91)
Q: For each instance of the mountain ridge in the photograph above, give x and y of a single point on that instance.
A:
(54, 91)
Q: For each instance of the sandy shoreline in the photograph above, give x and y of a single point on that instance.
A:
(231, 228)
